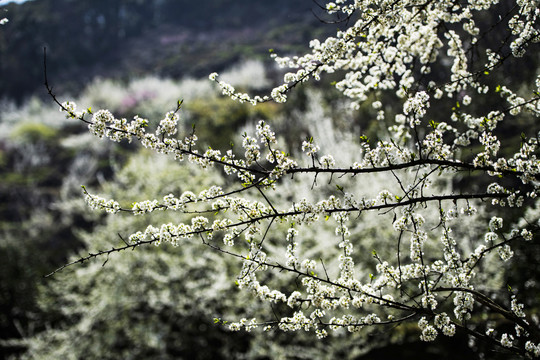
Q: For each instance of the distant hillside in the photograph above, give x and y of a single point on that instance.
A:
(120, 38)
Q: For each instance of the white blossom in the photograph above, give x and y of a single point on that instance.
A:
(443, 237)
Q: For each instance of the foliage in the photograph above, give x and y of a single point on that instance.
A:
(125, 38)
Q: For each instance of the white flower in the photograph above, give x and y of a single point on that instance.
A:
(532, 348)
(495, 223)
(328, 161)
(167, 126)
(416, 105)
(505, 252)
(507, 340)
(429, 333)
(100, 121)
(310, 148)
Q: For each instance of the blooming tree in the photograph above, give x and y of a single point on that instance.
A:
(431, 74)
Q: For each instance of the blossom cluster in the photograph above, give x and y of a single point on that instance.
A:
(427, 255)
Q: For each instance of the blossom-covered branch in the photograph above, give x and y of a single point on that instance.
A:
(428, 73)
